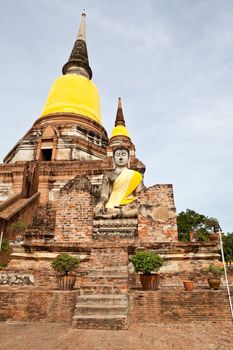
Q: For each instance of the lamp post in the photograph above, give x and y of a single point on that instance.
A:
(225, 272)
(1, 240)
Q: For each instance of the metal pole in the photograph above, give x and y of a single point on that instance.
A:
(225, 272)
(1, 241)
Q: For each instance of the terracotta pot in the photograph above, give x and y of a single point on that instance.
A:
(150, 282)
(188, 285)
(214, 282)
(66, 282)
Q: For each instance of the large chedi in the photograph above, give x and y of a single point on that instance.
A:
(83, 193)
(74, 92)
(70, 125)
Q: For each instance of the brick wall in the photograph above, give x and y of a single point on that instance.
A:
(159, 195)
(43, 223)
(109, 257)
(157, 217)
(36, 305)
(146, 307)
(174, 305)
(41, 270)
(4, 258)
(74, 216)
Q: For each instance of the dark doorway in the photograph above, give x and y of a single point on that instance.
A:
(46, 154)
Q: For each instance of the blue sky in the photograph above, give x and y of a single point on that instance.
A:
(171, 61)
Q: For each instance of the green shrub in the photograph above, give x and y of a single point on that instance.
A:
(201, 225)
(2, 265)
(183, 237)
(19, 226)
(203, 236)
(5, 247)
(146, 262)
(228, 246)
(215, 270)
(65, 263)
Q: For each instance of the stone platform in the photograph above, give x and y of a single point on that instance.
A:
(108, 293)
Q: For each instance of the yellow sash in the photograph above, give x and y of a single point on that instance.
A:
(123, 187)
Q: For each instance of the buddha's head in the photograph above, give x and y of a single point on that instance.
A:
(121, 156)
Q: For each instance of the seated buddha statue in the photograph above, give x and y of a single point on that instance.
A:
(119, 189)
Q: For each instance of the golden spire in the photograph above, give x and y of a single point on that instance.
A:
(119, 116)
(120, 128)
(74, 92)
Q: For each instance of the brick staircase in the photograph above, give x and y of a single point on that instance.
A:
(103, 300)
(14, 208)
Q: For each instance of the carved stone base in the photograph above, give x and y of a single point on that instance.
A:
(115, 228)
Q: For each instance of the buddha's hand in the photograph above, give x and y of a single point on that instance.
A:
(99, 209)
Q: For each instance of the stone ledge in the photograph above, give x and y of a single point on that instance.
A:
(25, 203)
(10, 278)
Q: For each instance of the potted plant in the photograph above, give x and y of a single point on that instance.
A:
(215, 272)
(188, 285)
(148, 263)
(64, 264)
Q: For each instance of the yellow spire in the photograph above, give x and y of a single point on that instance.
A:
(74, 92)
(120, 128)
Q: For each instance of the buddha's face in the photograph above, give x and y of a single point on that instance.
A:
(121, 157)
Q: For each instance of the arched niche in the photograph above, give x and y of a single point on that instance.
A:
(47, 144)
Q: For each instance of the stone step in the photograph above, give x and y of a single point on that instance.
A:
(100, 322)
(112, 234)
(115, 272)
(127, 222)
(88, 289)
(97, 309)
(111, 280)
(38, 234)
(113, 299)
(107, 275)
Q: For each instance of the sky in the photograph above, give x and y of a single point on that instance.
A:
(171, 62)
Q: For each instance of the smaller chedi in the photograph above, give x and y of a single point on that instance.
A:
(119, 188)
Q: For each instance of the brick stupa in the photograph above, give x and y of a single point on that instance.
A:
(51, 181)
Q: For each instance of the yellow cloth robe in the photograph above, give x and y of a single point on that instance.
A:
(123, 187)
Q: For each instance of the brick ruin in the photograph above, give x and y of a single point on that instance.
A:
(51, 181)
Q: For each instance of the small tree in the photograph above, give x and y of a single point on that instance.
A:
(18, 228)
(5, 247)
(228, 246)
(65, 263)
(5, 253)
(191, 221)
(215, 270)
(146, 262)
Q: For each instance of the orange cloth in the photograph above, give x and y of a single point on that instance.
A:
(123, 187)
